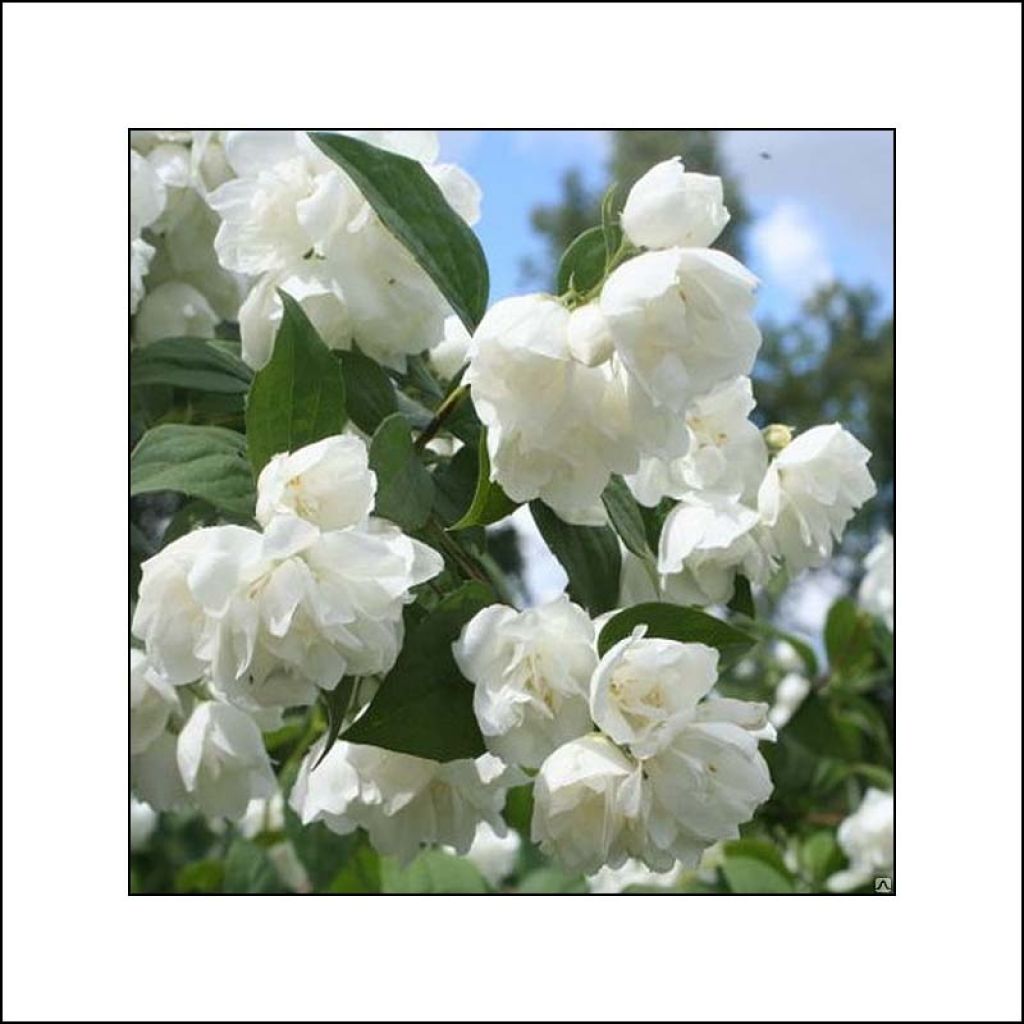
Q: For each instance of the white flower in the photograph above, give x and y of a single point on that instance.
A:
(531, 671)
(169, 617)
(402, 801)
(556, 429)
(152, 702)
(609, 881)
(811, 491)
(595, 804)
(271, 618)
(222, 760)
(311, 609)
(669, 206)
(451, 354)
(726, 455)
(288, 198)
(147, 200)
(708, 782)
(681, 321)
(867, 840)
(329, 483)
(295, 217)
(787, 657)
(703, 546)
(395, 310)
(142, 821)
(588, 336)
(311, 285)
(174, 310)
(589, 805)
(878, 588)
(264, 814)
(155, 777)
(494, 856)
(789, 695)
(645, 689)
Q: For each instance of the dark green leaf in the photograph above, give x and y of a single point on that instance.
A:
(425, 707)
(674, 622)
(248, 869)
(490, 503)
(433, 871)
(743, 598)
(405, 490)
(203, 462)
(819, 730)
(518, 812)
(455, 485)
(625, 515)
(369, 393)
(336, 702)
(323, 853)
(583, 264)
(299, 396)
(414, 210)
(192, 363)
(754, 866)
(361, 874)
(590, 556)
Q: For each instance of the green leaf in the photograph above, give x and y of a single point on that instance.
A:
(405, 490)
(193, 363)
(610, 225)
(743, 598)
(248, 869)
(455, 485)
(433, 871)
(590, 556)
(323, 853)
(202, 462)
(551, 879)
(583, 264)
(369, 393)
(849, 637)
(518, 812)
(674, 622)
(819, 730)
(361, 874)
(201, 876)
(336, 702)
(299, 396)
(414, 210)
(820, 855)
(755, 866)
(625, 515)
(490, 503)
(803, 649)
(425, 707)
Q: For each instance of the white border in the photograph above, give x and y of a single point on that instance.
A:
(946, 76)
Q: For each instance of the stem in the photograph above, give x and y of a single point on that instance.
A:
(456, 554)
(444, 410)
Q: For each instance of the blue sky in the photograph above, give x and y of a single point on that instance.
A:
(823, 202)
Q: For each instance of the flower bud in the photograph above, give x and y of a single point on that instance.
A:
(777, 436)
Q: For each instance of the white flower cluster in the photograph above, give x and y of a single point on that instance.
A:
(291, 219)
(635, 759)
(266, 619)
(177, 286)
(648, 380)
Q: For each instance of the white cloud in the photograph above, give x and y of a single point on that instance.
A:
(790, 250)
